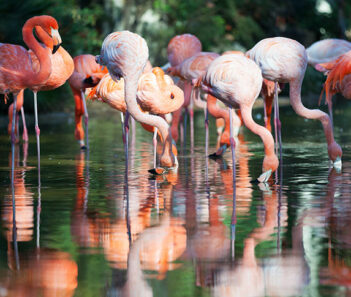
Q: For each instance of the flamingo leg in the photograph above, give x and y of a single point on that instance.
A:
(278, 123)
(86, 119)
(25, 131)
(37, 131)
(155, 145)
(17, 126)
(191, 113)
(126, 134)
(13, 128)
(206, 130)
(185, 122)
(232, 145)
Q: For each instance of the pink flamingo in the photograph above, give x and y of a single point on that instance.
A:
(125, 55)
(156, 94)
(285, 60)
(61, 69)
(87, 74)
(16, 69)
(180, 48)
(237, 81)
(326, 50)
(338, 78)
(191, 69)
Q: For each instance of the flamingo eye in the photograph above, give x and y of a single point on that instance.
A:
(172, 96)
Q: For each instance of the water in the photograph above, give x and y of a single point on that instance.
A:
(92, 230)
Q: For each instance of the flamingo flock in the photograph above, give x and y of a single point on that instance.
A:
(123, 77)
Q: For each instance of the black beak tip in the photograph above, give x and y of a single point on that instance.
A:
(56, 47)
(88, 80)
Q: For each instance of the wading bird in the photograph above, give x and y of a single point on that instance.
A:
(156, 94)
(125, 54)
(87, 74)
(237, 81)
(285, 60)
(17, 72)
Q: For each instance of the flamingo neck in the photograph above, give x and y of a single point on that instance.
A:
(300, 109)
(130, 88)
(259, 130)
(32, 79)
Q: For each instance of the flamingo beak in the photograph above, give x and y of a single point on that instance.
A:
(264, 177)
(337, 164)
(56, 39)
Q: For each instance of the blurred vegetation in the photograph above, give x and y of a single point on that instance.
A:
(219, 24)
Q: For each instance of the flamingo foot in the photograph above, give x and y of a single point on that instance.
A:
(337, 164)
(264, 177)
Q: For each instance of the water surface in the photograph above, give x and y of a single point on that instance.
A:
(91, 229)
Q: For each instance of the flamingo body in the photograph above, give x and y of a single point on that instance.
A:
(327, 50)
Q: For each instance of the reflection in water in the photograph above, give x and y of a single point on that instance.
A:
(171, 235)
(43, 273)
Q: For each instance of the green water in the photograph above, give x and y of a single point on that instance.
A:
(93, 230)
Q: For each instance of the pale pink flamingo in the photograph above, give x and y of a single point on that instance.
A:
(156, 94)
(285, 60)
(237, 81)
(125, 54)
(326, 50)
(180, 48)
(87, 73)
(191, 69)
(16, 69)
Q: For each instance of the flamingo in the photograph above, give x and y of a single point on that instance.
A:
(180, 48)
(16, 69)
(191, 69)
(156, 94)
(87, 73)
(125, 55)
(62, 67)
(237, 81)
(326, 50)
(285, 60)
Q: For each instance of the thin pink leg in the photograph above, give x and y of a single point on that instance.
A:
(13, 136)
(25, 131)
(37, 132)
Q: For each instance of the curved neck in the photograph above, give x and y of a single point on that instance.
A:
(316, 114)
(130, 90)
(259, 130)
(44, 60)
(44, 37)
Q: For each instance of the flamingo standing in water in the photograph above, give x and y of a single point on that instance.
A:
(62, 67)
(156, 94)
(237, 81)
(125, 54)
(285, 60)
(16, 69)
(87, 74)
(180, 48)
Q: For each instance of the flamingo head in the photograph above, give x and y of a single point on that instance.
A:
(335, 154)
(270, 165)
